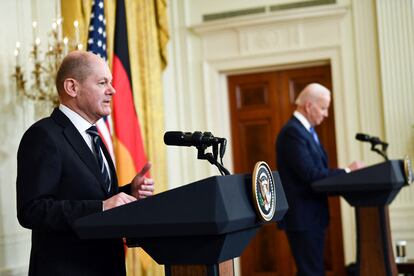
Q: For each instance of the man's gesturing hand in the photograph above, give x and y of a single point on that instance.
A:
(142, 187)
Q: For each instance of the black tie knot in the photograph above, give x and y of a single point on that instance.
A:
(92, 131)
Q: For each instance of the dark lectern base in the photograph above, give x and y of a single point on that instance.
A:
(374, 252)
(222, 269)
(370, 191)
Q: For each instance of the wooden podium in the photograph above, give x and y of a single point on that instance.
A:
(370, 190)
(196, 229)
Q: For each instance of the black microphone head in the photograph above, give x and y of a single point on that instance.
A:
(188, 139)
(362, 137)
(175, 138)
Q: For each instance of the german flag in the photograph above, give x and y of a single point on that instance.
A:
(129, 150)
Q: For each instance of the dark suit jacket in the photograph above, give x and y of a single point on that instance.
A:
(300, 161)
(58, 181)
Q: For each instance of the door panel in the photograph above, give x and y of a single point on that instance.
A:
(249, 131)
(260, 105)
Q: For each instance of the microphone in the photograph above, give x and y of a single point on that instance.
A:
(188, 139)
(200, 140)
(374, 142)
(372, 139)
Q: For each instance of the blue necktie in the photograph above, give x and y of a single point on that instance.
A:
(314, 135)
(96, 145)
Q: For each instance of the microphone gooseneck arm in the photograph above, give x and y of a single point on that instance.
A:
(375, 144)
(382, 151)
(200, 140)
(212, 157)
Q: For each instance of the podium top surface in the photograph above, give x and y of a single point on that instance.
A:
(384, 176)
(212, 206)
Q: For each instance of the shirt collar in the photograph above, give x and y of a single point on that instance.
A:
(77, 120)
(302, 119)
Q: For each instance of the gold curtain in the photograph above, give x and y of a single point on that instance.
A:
(147, 39)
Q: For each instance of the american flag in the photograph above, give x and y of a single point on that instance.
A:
(97, 45)
(97, 30)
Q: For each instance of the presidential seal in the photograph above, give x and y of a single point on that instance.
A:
(408, 169)
(264, 192)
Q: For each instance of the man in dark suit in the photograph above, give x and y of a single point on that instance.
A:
(64, 174)
(301, 160)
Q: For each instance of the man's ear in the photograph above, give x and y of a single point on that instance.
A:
(71, 87)
(308, 106)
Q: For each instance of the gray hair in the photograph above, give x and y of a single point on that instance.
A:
(311, 93)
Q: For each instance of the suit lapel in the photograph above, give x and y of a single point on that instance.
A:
(318, 148)
(78, 144)
(324, 155)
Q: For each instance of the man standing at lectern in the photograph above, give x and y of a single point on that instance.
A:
(301, 160)
(64, 172)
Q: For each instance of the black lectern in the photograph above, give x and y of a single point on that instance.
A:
(194, 229)
(370, 191)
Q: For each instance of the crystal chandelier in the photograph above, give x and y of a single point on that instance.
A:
(41, 84)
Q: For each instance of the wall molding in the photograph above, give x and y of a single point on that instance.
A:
(274, 17)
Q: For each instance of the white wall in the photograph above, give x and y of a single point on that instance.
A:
(16, 115)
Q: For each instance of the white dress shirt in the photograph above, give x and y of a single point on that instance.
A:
(302, 119)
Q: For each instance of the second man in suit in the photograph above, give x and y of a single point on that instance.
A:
(302, 160)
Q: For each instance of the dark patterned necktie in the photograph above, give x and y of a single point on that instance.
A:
(314, 135)
(96, 145)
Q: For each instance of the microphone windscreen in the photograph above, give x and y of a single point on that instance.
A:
(174, 138)
(362, 137)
